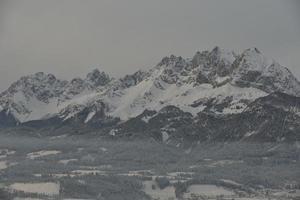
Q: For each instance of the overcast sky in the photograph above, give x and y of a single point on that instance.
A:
(71, 37)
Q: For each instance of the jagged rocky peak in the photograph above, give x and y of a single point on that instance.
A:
(221, 60)
(218, 67)
(76, 81)
(78, 85)
(253, 60)
(254, 69)
(170, 60)
(214, 58)
(133, 79)
(40, 85)
(41, 77)
(75, 86)
(97, 78)
(199, 58)
(37, 79)
(213, 66)
(218, 53)
(216, 61)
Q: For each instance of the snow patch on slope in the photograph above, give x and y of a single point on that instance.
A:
(90, 116)
(36, 109)
(146, 96)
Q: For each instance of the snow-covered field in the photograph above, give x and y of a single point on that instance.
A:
(65, 162)
(43, 153)
(210, 191)
(37, 188)
(3, 165)
(4, 153)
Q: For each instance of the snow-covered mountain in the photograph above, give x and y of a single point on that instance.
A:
(220, 82)
(41, 95)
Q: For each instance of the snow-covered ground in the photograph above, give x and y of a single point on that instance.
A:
(179, 174)
(224, 162)
(3, 165)
(230, 182)
(133, 101)
(90, 116)
(288, 194)
(65, 162)
(207, 190)
(6, 152)
(37, 188)
(43, 153)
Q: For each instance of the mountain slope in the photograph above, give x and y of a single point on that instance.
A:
(275, 117)
(210, 87)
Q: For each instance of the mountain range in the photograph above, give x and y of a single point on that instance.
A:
(215, 95)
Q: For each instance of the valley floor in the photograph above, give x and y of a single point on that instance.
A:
(82, 167)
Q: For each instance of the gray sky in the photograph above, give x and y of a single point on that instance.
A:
(71, 37)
